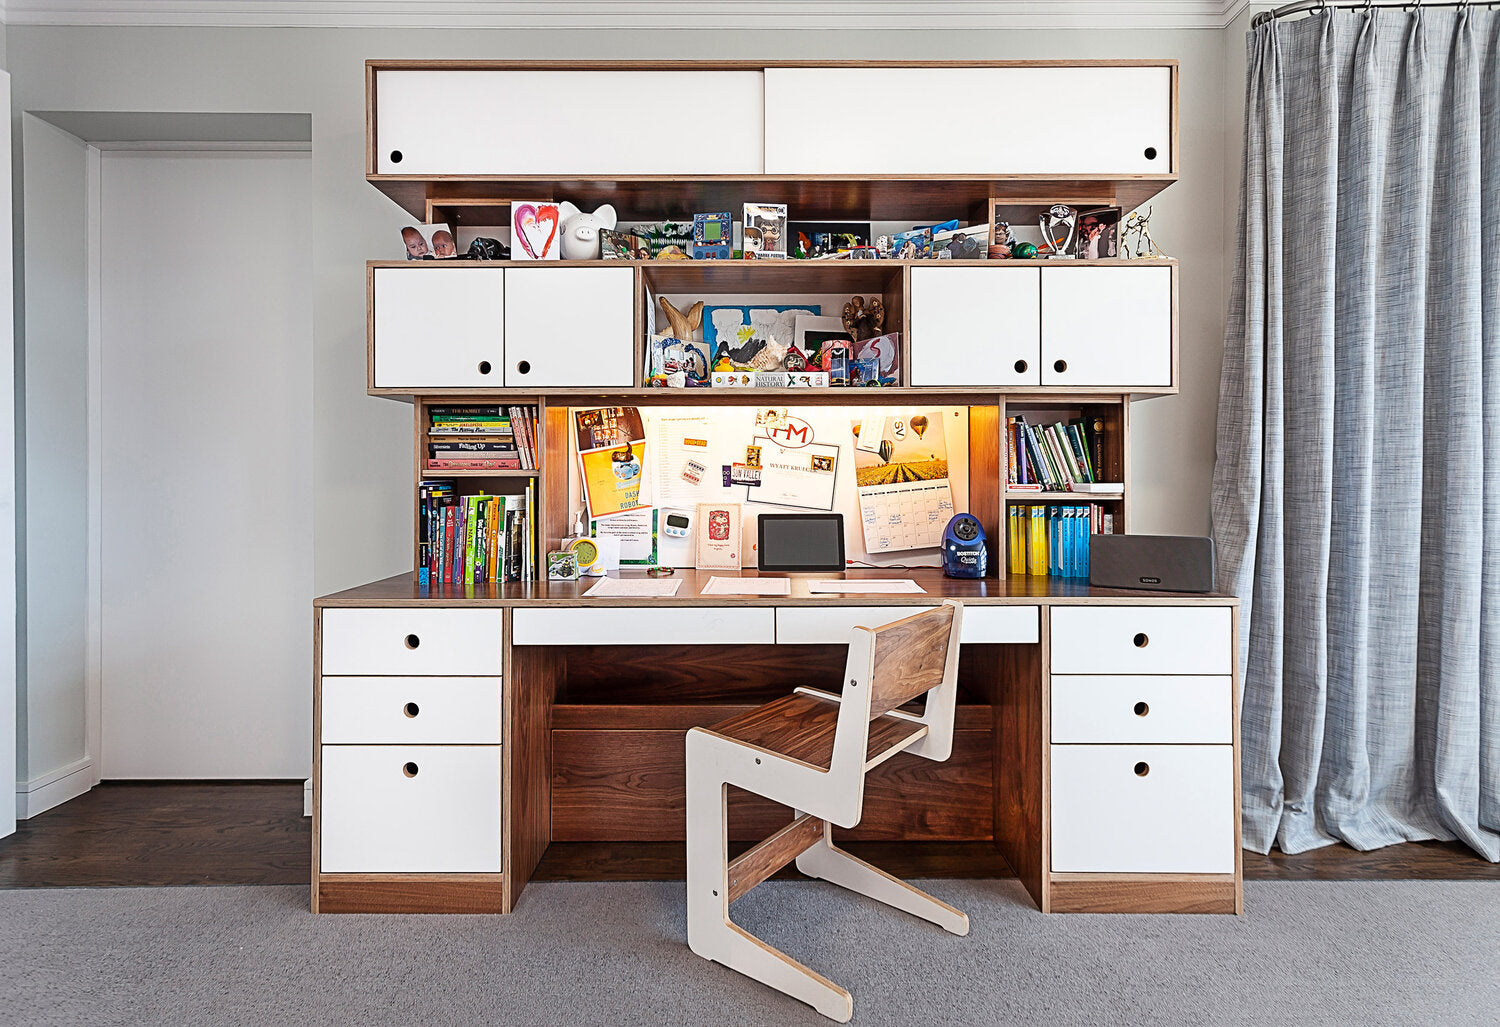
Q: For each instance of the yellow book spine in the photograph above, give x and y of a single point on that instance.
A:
(1017, 542)
(1037, 546)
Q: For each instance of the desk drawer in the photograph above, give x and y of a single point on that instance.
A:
(413, 809)
(800, 625)
(1142, 708)
(1166, 809)
(407, 641)
(633, 625)
(411, 711)
(1141, 640)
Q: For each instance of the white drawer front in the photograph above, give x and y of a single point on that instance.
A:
(410, 809)
(1137, 301)
(1141, 640)
(411, 711)
(439, 327)
(796, 625)
(1142, 708)
(699, 625)
(409, 641)
(1176, 818)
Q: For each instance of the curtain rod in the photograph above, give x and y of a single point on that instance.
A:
(1304, 6)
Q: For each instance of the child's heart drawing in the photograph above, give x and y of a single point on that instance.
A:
(536, 228)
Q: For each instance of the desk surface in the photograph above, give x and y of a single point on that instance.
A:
(401, 590)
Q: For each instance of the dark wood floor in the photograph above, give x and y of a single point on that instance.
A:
(217, 834)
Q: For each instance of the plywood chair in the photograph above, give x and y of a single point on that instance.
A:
(811, 751)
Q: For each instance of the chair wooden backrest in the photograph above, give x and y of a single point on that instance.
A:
(911, 657)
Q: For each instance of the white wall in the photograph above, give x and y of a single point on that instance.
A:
(9, 705)
(361, 446)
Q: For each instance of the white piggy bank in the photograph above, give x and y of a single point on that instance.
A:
(580, 231)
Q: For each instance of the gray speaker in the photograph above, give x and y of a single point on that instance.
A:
(1165, 563)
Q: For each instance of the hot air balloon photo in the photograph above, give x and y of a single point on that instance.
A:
(919, 425)
(905, 453)
(905, 498)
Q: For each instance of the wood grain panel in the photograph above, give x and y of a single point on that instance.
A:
(660, 717)
(802, 727)
(1020, 733)
(410, 894)
(628, 786)
(1149, 893)
(769, 856)
(986, 471)
(528, 806)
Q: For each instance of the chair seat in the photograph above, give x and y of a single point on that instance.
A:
(801, 727)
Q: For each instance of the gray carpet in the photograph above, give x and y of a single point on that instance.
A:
(1307, 953)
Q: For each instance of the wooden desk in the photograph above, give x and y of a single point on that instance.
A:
(1096, 743)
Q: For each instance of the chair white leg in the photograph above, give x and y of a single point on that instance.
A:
(828, 862)
(711, 934)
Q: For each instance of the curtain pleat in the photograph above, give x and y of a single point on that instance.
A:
(1356, 502)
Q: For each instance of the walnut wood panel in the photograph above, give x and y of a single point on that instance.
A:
(802, 728)
(911, 657)
(416, 893)
(1014, 589)
(628, 786)
(774, 276)
(667, 717)
(554, 478)
(1145, 893)
(746, 674)
(666, 861)
(1019, 704)
(769, 856)
(986, 472)
(528, 752)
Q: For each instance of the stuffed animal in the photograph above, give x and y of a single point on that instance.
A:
(580, 231)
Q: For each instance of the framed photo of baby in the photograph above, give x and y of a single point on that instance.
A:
(428, 242)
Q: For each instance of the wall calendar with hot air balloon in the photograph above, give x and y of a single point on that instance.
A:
(901, 462)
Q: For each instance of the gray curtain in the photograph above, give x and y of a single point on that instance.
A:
(1356, 502)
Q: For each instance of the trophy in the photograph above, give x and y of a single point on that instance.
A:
(1058, 226)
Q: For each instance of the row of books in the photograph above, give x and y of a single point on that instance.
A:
(482, 438)
(472, 540)
(1064, 457)
(1054, 540)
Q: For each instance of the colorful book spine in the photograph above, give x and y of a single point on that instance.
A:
(1036, 546)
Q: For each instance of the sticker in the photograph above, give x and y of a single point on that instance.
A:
(694, 471)
(752, 456)
(739, 474)
(696, 442)
(822, 463)
(727, 480)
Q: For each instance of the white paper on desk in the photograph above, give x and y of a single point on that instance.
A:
(720, 586)
(867, 586)
(634, 588)
(674, 441)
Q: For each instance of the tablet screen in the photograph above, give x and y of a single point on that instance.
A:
(801, 542)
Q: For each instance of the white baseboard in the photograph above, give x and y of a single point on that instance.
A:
(307, 798)
(43, 793)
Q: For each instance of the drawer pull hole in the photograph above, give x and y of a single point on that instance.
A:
(1059, 366)
(524, 367)
(1141, 769)
(395, 156)
(412, 641)
(484, 367)
(1021, 366)
(1150, 153)
(411, 709)
(410, 770)
(1141, 709)
(1141, 640)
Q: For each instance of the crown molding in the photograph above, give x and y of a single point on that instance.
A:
(662, 15)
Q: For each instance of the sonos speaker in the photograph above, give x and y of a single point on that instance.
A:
(1166, 563)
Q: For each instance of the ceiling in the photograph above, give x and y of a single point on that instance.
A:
(662, 15)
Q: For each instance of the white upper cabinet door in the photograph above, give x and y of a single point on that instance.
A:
(969, 121)
(1107, 326)
(975, 325)
(568, 123)
(439, 327)
(569, 326)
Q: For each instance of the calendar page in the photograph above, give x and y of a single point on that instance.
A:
(905, 500)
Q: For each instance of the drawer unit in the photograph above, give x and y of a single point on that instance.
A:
(832, 624)
(410, 641)
(410, 809)
(1142, 708)
(1141, 640)
(438, 327)
(681, 625)
(1164, 809)
(411, 711)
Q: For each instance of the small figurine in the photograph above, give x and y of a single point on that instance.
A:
(864, 320)
(1137, 241)
(684, 326)
(721, 358)
(1023, 251)
(795, 359)
(1005, 240)
(1059, 223)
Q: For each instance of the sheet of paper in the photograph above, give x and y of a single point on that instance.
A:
(718, 586)
(674, 441)
(636, 530)
(634, 588)
(802, 477)
(867, 586)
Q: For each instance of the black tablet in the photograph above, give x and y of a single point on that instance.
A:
(801, 542)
